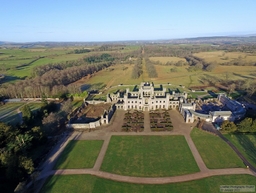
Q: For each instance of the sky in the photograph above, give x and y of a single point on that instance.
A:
(112, 20)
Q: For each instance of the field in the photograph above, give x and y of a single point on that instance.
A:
(246, 143)
(79, 154)
(164, 60)
(214, 151)
(88, 183)
(153, 156)
(11, 59)
(17, 63)
(222, 56)
(108, 79)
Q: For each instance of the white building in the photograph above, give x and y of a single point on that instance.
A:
(146, 98)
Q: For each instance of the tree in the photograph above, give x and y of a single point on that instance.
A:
(26, 113)
(245, 125)
(228, 126)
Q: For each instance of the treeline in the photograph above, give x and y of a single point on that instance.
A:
(53, 80)
(150, 68)
(247, 125)
(137, 69)
(53, 83)
(248, 86)
(176, 50)
(81, 51)
(97, 59)
(199, 64)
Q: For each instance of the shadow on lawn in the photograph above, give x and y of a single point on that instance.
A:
(248, 145)
(64, 155)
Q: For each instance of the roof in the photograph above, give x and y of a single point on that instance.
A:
(199, 114)
(221, 113)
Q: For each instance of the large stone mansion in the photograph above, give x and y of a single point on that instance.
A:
(146, 98)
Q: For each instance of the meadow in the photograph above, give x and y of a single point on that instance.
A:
(164, 60)
(89, 183)
(149, 156)
(17, 63)
(106, 79)
(215, 153)
(79, 154)
(222, 56)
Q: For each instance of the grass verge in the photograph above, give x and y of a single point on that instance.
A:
(79, 154)
(88, 183)
(246, 144)
(215, 152)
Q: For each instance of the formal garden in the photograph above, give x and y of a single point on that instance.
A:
(133, 121)
(160, 121)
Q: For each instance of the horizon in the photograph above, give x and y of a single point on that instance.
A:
(114, 21)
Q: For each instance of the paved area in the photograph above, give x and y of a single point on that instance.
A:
(105, 133)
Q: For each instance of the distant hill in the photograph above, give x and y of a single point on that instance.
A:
(198, 40)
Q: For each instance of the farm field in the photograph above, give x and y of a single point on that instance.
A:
(222, 56)
(10, 59)
(246, 143)
(118, 76)
(79, 154)
(164, 60)
(149, 156)
(214, 151)
(89, 183)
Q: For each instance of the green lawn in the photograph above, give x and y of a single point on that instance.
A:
(9, 107)
(88, 183)
(79, 154)
(246, 144)
(153, 156)
(214, 151)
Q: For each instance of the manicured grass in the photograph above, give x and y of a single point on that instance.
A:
(153, 156)
(88, 183)
(79, 154)
(246, 144)
(214, 151)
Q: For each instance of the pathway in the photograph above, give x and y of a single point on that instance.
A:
(146, 122)
(150, 180)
